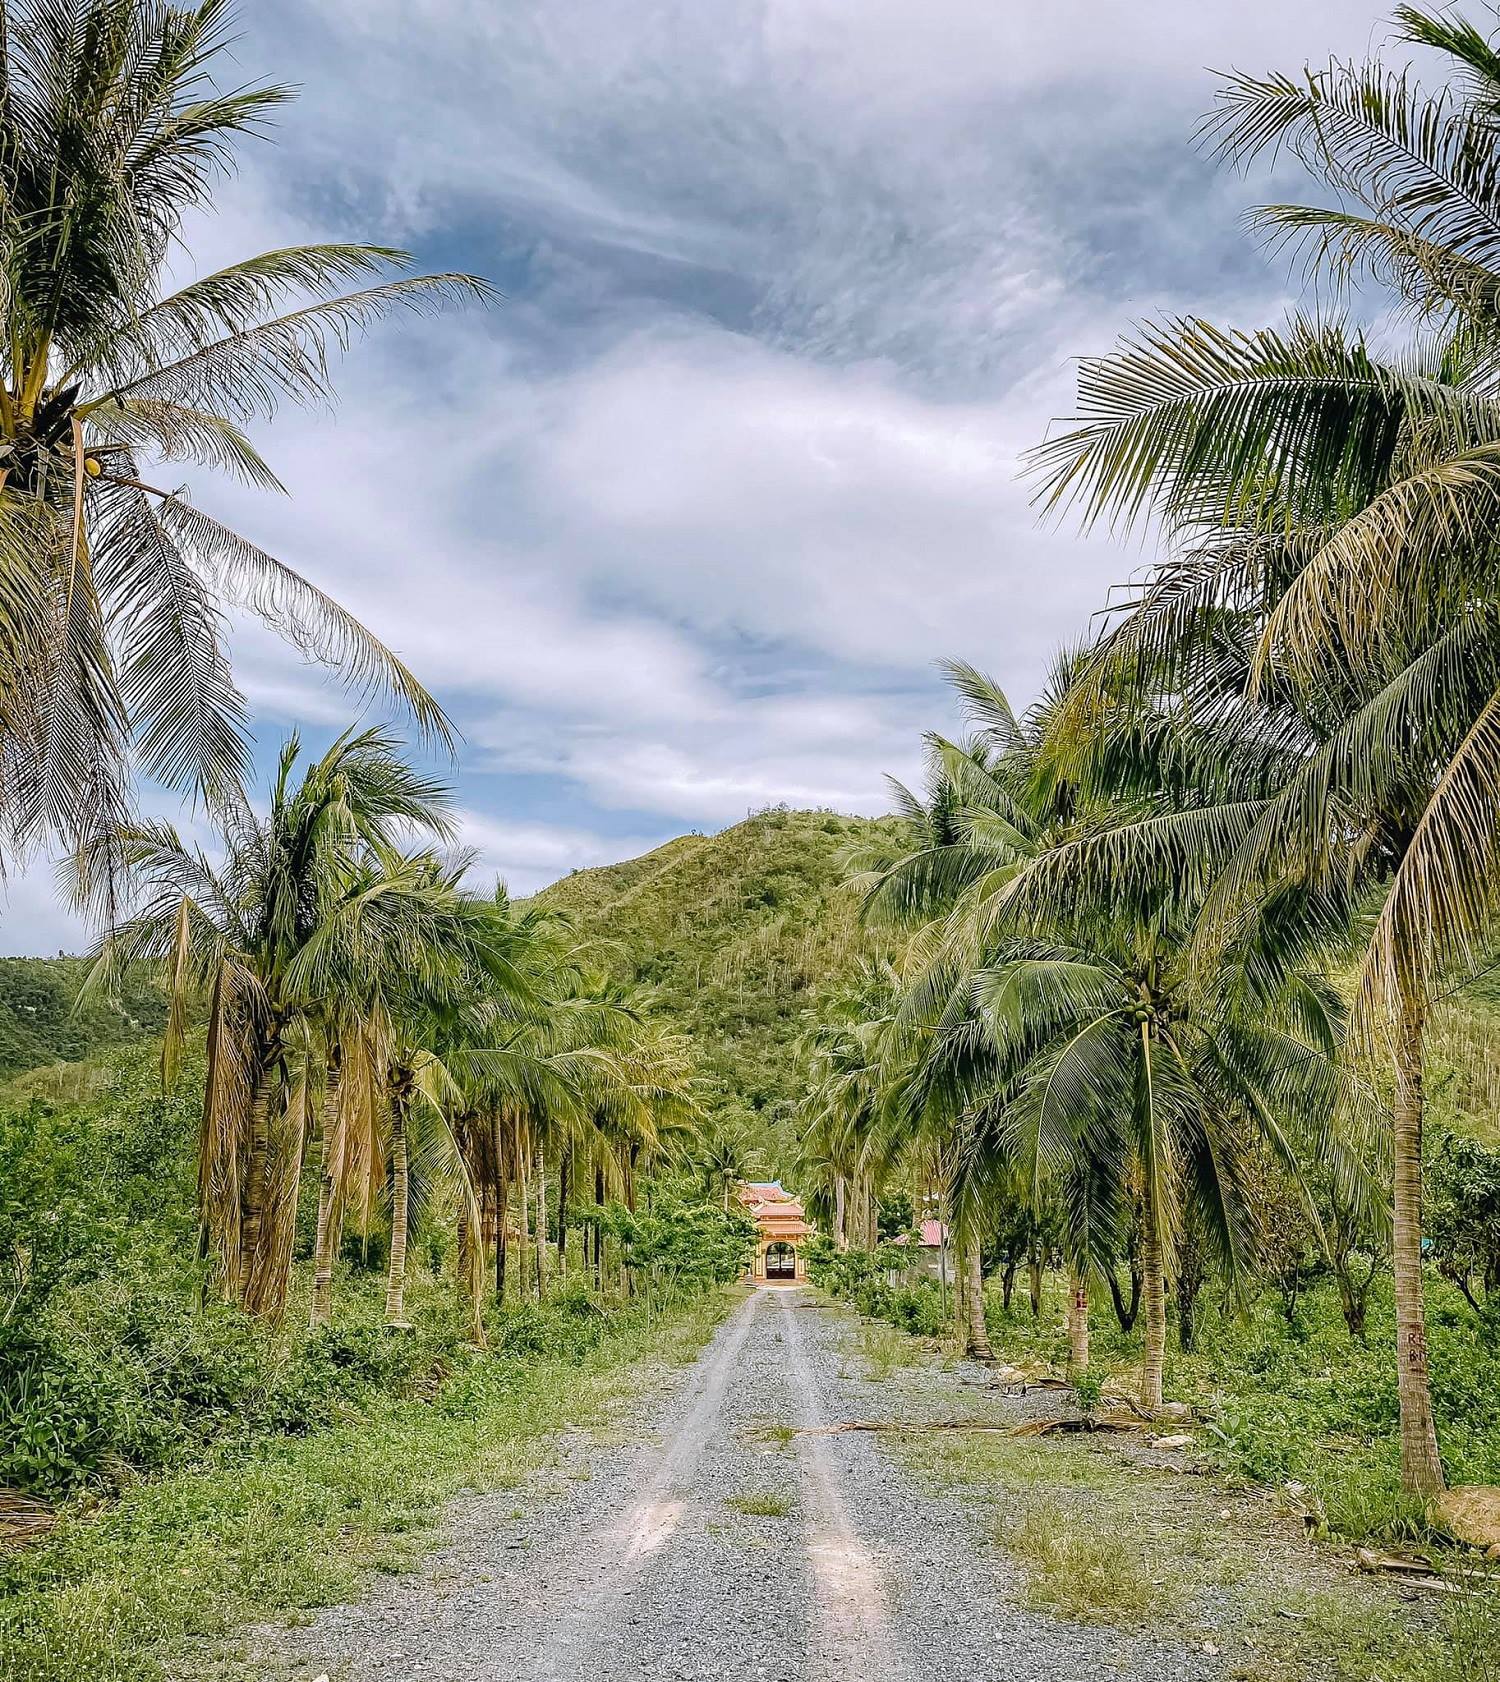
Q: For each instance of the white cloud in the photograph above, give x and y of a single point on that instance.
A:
(33, 919)
(679, 529)
(527, 856)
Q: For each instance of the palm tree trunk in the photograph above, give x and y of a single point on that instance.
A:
(978, 1344)
(564, 1180)
(541, 1223)
(1154, 1306)
(840, 1231)
(1421, 1467)
(255, 1179)
(502, 1219)
(523, 1231)
(1078, 1325)
(960, 1299)
(278, 1229)
(1125, 1312)
(395, 1285)
(328, 1181)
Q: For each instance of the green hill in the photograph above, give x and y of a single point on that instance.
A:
(39, 1023)
(741, 934)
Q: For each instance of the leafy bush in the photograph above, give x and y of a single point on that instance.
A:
(109, 1365)
(879, 1285)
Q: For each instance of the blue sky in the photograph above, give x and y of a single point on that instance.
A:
(680, 528)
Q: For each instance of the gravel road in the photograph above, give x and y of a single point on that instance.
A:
(638, 1558)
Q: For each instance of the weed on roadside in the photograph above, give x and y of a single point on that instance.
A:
(777, 1436)
(1352, 1638)
(885, 1350)
(1090, 1571)
(763, 1503)
(123, 1595)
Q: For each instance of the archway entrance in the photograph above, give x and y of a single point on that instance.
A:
(781, 1261)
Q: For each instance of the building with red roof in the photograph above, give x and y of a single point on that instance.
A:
(782, 1229)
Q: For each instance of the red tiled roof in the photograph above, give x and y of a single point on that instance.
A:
(774, 1209)
(930, 1235)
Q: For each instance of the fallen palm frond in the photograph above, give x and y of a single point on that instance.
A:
(23, 1518)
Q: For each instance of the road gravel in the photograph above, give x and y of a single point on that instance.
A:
(643, 1554)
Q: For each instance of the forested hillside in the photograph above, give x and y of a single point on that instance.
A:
(41, 1021)
(741, 934)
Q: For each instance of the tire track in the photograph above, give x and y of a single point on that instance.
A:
(853, 1637)
(627, 1546)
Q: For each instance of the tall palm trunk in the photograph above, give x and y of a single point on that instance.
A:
(472, 1269)
(523, 1230)
(395, 1285)
(1078, 1324)
(1421, 1468)
(960, 1301)
(840, 1230)
(331, 1173)
(564, 1185)
(541, 1223)
(500, 1208)
(978, 1342)
(256, 1170)
(1154, 1308)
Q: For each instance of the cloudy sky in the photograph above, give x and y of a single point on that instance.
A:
(680, 527)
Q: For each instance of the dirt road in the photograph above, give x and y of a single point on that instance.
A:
(707, 1540)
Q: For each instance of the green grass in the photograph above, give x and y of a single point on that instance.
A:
(762, 1503)
(132, 1593)
(1103, 1538)
(1301, 1400)
(1343, 1638)
(779, 1436)
(1088, 1570)
(884, 1350)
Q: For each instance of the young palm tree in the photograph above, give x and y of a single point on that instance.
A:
(721, 1160)
(984, 813)
(399, 956)
(245, 934)
(1055, 1026)
(112, 131)
(1106, 1062)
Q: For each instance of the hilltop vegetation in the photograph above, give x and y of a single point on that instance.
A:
(41, 1021)
(741, 936)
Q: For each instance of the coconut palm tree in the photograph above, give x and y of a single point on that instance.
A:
(249, 934)
(397, 958)
(112, 132)
(985, 811)
(1055, 1028)
(1346, 502)
(721, 1160)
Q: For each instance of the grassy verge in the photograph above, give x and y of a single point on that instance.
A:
(1297, 1400)
(1286, 1397)
(124, 1595)
(1098, 1537)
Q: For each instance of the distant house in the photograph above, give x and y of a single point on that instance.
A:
(931, 1256)
(782, 1229)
